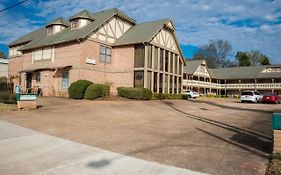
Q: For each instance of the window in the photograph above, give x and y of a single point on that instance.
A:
(149, 54)
(42, 54)
(138, 79)
(161, 59)
(14, 51)
(171, 62)
(180, 67)
(65, 79)
(155, 82)
(160, 83)
(149, 74)
(37, 76)
(50, 30)
(156, 58)
(105, 54)
(139, 56)
(166, 83)
(166, 61)
(75, 24)
(176, 63)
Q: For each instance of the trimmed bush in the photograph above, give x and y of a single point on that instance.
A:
(77, 89)
(135, 93)
(97, 90)
(8, 97)
(169, 96)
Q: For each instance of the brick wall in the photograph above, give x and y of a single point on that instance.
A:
(277, 141)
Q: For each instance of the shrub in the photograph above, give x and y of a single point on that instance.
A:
(161, 96)
(8, 97)
(77, 89)
(97, 90)
(135, 93)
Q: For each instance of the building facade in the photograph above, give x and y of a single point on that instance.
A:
(3, 67)
(231, 81)
(103, 47)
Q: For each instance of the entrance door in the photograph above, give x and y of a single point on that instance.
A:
(28, 80)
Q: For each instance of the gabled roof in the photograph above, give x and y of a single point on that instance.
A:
(67, 34)
(59, 21)
(141, 33)
(83, 14)
(192, 66)
(38, 33)
(250, 72)
(39, 38)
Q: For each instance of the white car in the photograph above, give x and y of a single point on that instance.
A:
(191, 94)
(250, 96)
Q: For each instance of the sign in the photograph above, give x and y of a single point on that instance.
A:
(28, 97)
(91, 61)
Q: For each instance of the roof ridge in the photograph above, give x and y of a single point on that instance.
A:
(154, 21)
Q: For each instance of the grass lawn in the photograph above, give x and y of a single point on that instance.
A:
(7, 107)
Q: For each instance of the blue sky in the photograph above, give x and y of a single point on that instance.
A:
(246, 24)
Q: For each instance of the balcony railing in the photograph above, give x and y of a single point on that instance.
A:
(203, 84)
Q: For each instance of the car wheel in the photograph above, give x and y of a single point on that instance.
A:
(189, 96)
(242, 101)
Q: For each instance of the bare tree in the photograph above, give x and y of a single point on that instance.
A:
(216, 53)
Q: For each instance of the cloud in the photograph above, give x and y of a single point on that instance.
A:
(246, 24)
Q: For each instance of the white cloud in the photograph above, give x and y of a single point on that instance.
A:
(247, 24)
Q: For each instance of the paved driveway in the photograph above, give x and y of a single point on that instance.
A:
(216, 136)
(24, 151)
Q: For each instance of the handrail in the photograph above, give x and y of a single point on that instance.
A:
(197, 83)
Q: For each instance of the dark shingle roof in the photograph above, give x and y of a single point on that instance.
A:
(141, 33)
(39, 37)
(192, 65)
(59, 21)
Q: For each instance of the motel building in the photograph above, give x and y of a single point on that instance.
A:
(231, 81)
(103, 47)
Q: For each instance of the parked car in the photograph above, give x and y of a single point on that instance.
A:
(191, 94)
(251, 96)
(271, 98)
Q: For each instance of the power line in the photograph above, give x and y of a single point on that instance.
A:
(13, 6)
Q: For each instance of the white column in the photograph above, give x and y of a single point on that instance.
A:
(145, 66)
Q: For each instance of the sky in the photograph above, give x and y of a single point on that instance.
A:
(246, 24)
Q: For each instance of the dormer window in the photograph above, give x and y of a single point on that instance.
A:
(50, 30)
(81, 19)
(75, 24)
(56, 26)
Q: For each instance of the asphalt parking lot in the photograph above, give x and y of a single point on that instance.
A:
(215, 136)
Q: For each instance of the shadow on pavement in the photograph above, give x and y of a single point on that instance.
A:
(229, 107)
(256, 143)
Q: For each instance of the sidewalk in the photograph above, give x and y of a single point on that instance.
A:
(24, 151)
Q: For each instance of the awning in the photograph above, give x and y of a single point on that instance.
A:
(44, 67)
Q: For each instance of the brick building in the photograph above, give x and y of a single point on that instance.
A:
(232, 80)
(103, 47)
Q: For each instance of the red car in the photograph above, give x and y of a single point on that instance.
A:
(270, 98)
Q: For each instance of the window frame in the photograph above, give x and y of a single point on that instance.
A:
(38, 78)
(104, 52)
(62, 79)
(75, 24)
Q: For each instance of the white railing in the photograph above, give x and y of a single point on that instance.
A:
(203, 84)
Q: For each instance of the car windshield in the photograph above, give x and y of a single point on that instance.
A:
(247, 93)
(256, 93)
